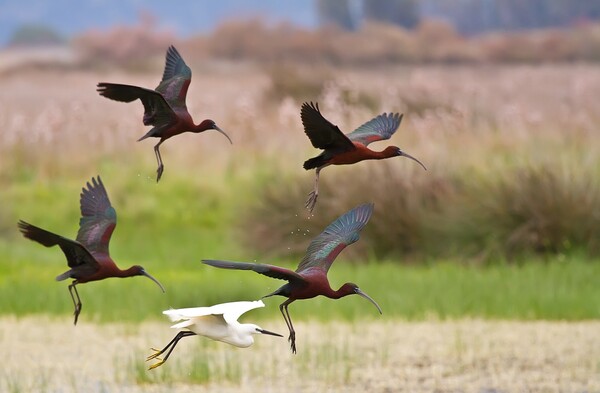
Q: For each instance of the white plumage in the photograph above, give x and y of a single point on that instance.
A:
(218, 322)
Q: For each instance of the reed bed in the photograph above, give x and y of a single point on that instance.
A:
(512, 152)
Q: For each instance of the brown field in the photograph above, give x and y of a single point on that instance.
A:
(43, 354)
(453, 115)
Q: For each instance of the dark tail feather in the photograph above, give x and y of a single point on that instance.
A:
(279, 292)
(63, 276)
(315, 162)
(151, 133)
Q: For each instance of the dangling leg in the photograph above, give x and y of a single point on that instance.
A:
(172, 345)
(288, 321)
(161, 167)
(314, 194)
(77, 304)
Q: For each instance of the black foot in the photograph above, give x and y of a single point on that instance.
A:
(311, 201)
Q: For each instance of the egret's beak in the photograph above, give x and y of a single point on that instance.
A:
(268, 332)
(223, 132)
(403, 154)
(145, 273)
(361, 293)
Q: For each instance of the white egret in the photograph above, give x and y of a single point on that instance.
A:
(218, 322)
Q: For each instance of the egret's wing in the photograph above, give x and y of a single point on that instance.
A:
(230, 312)
(377, 129)
(176, 79)
(344, 231)
(195, 323)
(98, 218)
(322, 133)
(77, 255)
(267, 270)
(235, 309)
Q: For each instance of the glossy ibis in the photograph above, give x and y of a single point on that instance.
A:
(164, 107)
(87, 256)
(310, 278)
(340, 149)
(218, 323)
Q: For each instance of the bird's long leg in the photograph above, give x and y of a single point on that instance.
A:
(161, 167)
(288, 321)
(169, 348)
(77, 304)
(314, 194)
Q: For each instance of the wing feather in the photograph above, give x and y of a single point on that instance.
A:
(77, 255)
(157, 111)
(322, 133)
(176, 79)
(377, 129)
(344, 231)
(175, 67)
(267, 270)
(98, 218)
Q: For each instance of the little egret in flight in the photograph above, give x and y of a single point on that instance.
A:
(218, 322)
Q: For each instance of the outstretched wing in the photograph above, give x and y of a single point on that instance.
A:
(344, 231)
(377, 129)
(77, 255)
(176, 79)
(321, 132)
(157, 111)
(230, 311)
(175, 67)
(98, 218)
(267, 270)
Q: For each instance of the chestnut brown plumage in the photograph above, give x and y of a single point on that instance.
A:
(87, 256)
(164, 107)
(340, 149)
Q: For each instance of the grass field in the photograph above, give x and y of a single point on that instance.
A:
(558, 290)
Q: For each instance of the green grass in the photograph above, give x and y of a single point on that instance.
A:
(171, 227)
(558, 288)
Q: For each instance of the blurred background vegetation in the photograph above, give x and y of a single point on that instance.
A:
(501, 101)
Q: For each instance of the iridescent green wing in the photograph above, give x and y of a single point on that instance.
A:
(176, 79)
(98, 218)
(377, 129)
(344, 231)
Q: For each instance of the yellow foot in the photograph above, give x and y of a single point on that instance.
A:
(156, 365)
(156, 354)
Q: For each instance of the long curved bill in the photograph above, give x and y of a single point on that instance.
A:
(361, 293)
(223, 132)
(412, 158)
(269, 333)
(145, 273)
